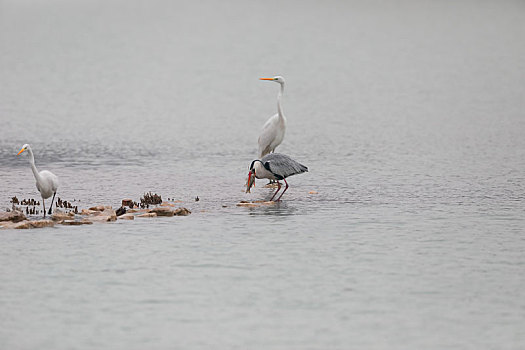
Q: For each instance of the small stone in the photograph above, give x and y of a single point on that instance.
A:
(147, 215)
(182, 212)
(162, 211)
(313, 192)
(127, 217)
(76, 222)
(14, 216)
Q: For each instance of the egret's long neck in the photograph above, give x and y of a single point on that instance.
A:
(279, 107)
(32, 162)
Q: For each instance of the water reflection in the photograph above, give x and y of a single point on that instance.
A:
(281, 208)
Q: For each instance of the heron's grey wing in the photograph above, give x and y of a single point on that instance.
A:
(283, 165)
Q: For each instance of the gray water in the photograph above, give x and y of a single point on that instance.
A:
(409, 115)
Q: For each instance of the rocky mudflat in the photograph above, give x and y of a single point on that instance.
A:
(17, 219)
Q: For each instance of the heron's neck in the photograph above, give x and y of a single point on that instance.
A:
(32, 162)
(260, 170)
(279, 107)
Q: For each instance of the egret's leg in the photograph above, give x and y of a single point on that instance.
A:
(278, 199)
(278, 189)
(44, 205)
(51, 207)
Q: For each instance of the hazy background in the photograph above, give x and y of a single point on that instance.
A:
(409, 115)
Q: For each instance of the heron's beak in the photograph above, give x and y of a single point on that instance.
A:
(22, 150)
(265, 79)
(251, 180)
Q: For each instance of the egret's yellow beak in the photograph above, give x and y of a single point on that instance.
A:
(265, 79)
(22, 150)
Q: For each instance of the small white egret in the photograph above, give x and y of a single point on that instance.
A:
(46, 181)
(272, 133)
(274, 166)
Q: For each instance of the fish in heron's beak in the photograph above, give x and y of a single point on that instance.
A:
(251, 180)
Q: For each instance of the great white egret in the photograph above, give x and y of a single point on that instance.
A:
(272, 133)
(46, 181)
(274, 166)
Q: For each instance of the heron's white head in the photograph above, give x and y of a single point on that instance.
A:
(24, 147)
(277, 79)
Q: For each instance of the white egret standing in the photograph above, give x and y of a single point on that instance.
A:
(272, 133)
(274, 166)
(46, 181)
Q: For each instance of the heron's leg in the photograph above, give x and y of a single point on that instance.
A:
(51, 207)
(278, 199)
(278, 189)
(44, 205)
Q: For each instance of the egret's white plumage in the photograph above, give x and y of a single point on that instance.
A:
(273, 131)
(46, 181)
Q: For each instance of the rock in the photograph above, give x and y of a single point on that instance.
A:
(147, 215)
(266, 202)
(120, 211)
(254, 204)
(59, 215)
(76, 222)
(22, 225)
(162, 211)
(182, 212)
(105, 216)
(127, 203)
(41, 223)
(271, 185)
(313, 192)
(89, 212)
(166, 204)
(7, 224)
(127, 217)
(98, 208)
(246, 204)
(138, 211)
(13, 216)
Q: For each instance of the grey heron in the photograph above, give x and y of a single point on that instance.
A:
(46, 181)
(274, 166)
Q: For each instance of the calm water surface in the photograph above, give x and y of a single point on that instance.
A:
(409, 115)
